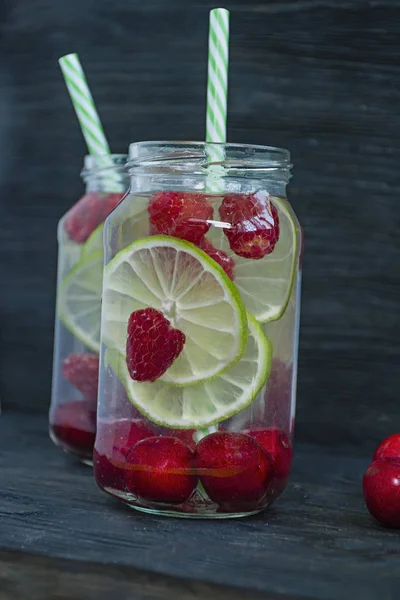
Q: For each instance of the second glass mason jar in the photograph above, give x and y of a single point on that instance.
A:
(200, 319)
(79, 285)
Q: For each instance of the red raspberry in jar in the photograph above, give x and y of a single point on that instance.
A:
(254, 224)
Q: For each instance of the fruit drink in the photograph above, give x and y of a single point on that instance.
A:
(199, 333)
(77, 329)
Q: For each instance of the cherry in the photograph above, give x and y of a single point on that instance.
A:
(276, 443)
(74, 426)
(185, 435)
(234, 469)
(381, 486)
(126, 433)
(114, 441)
(390, 447)
(106, 474)
(161, 469)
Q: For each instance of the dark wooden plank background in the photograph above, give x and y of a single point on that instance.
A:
(320, 77)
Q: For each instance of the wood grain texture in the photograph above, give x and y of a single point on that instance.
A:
(318, 542)
(24, 576)
(319, 77)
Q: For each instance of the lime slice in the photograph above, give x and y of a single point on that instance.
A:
(282, 333)
(202, 405)
(69, 251)
(94, 243)
(194, 294)
(80, 300)
(265, 285)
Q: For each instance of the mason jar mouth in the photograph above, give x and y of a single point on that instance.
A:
(198, 157)
(94, 163)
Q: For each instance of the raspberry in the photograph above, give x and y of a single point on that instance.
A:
(82, 371)
(390, 447)
(114, 442)
(234, 469)
(74, 426)
(276, 443)
(254, 223)
(382, 491)
(180, 214)
(161, 470)
(224, 261)
(88, 213)
(152, 345)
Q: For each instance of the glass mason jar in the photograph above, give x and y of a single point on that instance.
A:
(79, 284)
(200, 320)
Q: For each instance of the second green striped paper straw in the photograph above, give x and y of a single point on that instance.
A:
(88, 117)
(217, 96)
(217, 85)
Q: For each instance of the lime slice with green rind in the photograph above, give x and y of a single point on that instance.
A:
(194, 294)
(265, 285)
(94, 243)
(207, 403)
(79, 300)
(283, 333)
(69, 251)
(79, 304)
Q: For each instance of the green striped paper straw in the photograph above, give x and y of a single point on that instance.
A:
(217, 96)
(88, 117)
(217, 86)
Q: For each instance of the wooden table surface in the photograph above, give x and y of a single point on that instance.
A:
(60, 537)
